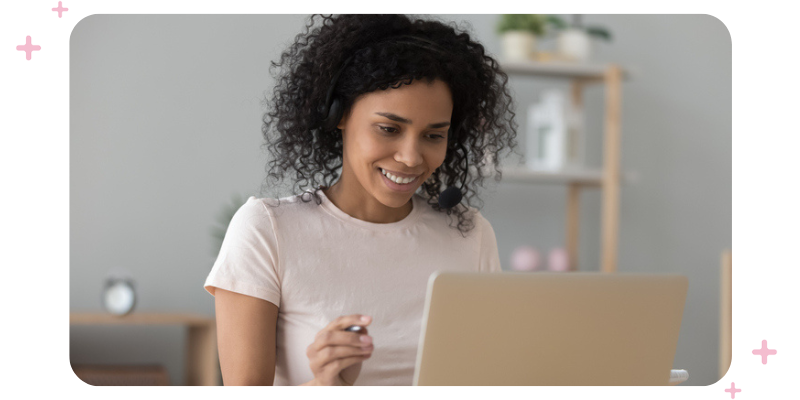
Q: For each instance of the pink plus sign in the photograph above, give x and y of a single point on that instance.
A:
(60, 9)
(733, 390)
(764, 352)
(28, 48)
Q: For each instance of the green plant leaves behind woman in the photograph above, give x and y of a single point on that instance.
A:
(558, 23)
(534, 23)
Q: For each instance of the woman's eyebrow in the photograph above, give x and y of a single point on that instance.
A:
(398, 118)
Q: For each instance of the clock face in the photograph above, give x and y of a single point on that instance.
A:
(119, 298)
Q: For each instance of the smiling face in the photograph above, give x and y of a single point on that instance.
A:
(400, 130)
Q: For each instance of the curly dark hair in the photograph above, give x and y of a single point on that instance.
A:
(482, 123)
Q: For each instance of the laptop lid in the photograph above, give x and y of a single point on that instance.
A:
(549, 328)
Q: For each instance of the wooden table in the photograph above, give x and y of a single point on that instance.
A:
(202, 363)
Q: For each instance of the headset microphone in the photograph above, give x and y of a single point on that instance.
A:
(450, 197)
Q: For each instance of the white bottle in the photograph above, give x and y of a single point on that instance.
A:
(555, 133)
(546, 133)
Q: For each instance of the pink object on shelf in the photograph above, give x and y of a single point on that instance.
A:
(525, 258)
(558, 260)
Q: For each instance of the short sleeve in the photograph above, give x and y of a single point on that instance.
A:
(489, 255)
(248, 258)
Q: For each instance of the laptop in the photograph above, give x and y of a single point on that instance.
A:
(549, 328)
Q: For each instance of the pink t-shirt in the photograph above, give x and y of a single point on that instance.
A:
(316, 263)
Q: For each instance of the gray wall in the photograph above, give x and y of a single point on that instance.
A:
(165, 127)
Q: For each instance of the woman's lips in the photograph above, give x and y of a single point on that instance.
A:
(400, 175)
(408, 187)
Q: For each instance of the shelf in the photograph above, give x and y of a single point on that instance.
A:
(558, 69)
(202, 362)
(579, 75)
(136, 318)
(581, 177)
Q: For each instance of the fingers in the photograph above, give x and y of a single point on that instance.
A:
(337, 355)
(329, 354)
(334, 349)
(340, 338)
(335, 333)
(337, 365)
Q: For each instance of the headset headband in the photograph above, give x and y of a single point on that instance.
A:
(331, 111)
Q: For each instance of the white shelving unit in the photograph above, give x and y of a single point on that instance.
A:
(609, 178)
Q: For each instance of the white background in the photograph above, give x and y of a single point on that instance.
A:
(34, 150)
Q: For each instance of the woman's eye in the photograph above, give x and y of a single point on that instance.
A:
(389, 129)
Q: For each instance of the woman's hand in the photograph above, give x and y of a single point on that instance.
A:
(335, 356)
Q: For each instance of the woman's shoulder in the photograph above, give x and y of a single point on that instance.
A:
(481, 225)
(281, 206)
(266, 214)
(478, 224)
(253, 209)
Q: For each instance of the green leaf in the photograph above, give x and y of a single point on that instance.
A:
(556, 21)
(534, 23)
(599, 32)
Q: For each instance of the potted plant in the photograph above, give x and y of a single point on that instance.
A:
(574, 39)
(518, 34)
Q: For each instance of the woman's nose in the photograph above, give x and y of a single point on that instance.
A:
(409, 153)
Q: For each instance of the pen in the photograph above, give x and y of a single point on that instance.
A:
(355, 328)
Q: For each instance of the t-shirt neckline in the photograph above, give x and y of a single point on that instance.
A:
(406, 222)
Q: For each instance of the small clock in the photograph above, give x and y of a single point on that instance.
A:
(119, 296)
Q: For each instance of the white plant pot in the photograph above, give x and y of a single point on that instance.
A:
(518, 45)
(575, 44)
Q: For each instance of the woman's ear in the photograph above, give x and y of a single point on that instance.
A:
(343, 121)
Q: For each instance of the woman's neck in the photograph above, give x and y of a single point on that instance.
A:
(360, 204)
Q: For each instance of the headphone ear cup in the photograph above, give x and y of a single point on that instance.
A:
(334, 115)
(450, 138)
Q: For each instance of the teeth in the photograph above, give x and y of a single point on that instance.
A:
(399, 181)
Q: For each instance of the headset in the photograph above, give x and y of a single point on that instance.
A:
(333, 110)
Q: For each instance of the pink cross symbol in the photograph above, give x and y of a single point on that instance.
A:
(764, 352)
(28, 48)
(60, 9)
(733, 390)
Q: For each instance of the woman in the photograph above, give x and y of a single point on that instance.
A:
(400, 106)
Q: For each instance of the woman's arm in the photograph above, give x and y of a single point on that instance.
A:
(245, 338)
